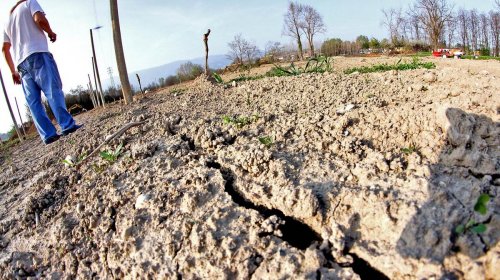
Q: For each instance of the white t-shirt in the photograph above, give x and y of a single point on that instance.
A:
(23, 33)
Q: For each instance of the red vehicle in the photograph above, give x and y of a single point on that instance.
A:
(445, 53)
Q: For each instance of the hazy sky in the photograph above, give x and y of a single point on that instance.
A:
(156, 32)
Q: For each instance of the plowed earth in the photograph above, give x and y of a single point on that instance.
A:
(361, 176)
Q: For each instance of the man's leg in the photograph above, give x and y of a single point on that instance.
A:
(32, 92)
(50, 82)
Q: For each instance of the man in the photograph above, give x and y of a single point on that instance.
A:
(37, 70)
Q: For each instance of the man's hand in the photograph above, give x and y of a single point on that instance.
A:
(52, 37)
(43, 23)
(17, 78)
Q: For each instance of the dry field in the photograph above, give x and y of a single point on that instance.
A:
(319, 176)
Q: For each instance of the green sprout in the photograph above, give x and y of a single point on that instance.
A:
(112, 156)
(217, 78)
(480, 207)
(267, 141)
(70, 163)
(241, 121)
(410, 150)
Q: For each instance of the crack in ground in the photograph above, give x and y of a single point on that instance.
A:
(294, 232)
(365, 270)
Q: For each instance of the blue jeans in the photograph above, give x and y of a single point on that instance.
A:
(39, 73)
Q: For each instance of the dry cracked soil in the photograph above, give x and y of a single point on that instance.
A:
(318, 176)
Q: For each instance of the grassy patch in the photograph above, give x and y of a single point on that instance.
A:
(240, 121)
(481, 57)
(320, 64)
(416, 63)
(423, 54)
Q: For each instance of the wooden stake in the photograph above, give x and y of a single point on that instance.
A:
(96, 69)
(99, 92)
(20, 118)
(139, 80)
(10, 109)
(94, 94)
(205, 40)
(91, 96)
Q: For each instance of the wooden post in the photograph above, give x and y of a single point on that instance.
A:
(20, 118)
(96, 69)
(94, 94)
(205, 40)
(91, 96)
(120, 56)
(10, 109)
(96, 79)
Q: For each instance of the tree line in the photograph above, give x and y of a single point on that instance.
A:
(438, 24)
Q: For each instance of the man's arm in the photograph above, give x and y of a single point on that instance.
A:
(43, 23)
(6, 53)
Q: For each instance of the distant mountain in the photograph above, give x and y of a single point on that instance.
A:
(4, 136)
(153, 74)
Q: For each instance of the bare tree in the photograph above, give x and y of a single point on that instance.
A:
(473, 29)
(312, 25)
(485, 30)
(396, 24)
(293, 24)
(242, 51)
(273, 48)
(251, 53)
(415, 28)
(462, 26)
(451, 27)
(433, 15)
(495, 31)
(236, 49)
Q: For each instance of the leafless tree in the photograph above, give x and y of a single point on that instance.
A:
(495, 31)
(241, 50)
(251, 53)
(414, 27)
(237, 49)
(451, 27)
(273, 48)
(433, 15)
(396, 24)
(293, 24)
(463, 27)
(473, 29)
(312, 25)
(485, 30)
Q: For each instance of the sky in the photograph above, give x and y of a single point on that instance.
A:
(156, 32)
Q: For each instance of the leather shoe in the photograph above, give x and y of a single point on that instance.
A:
(71, 130)
(51, 139)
